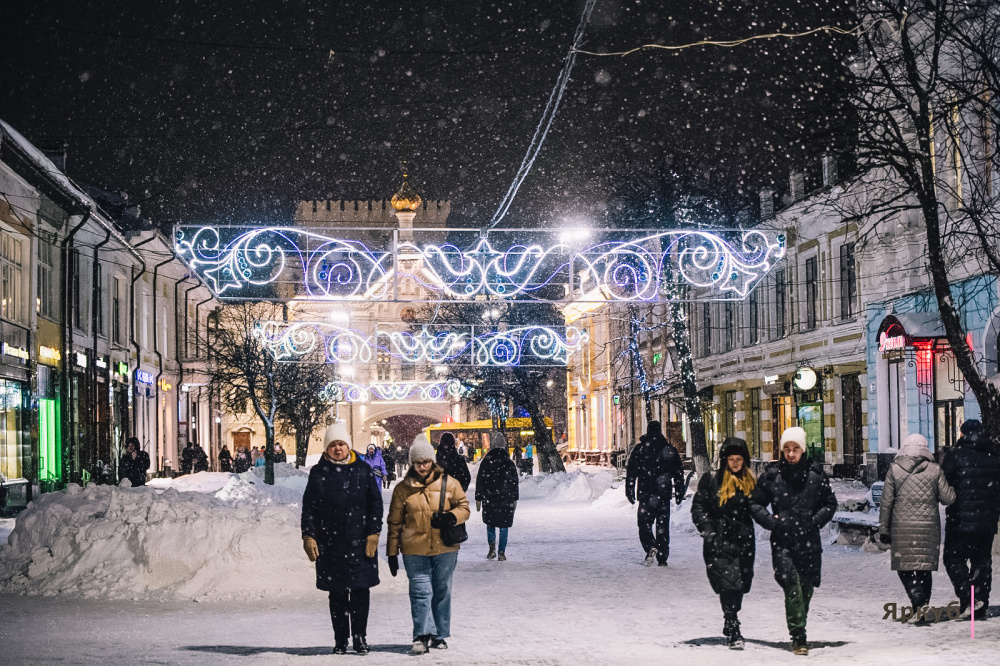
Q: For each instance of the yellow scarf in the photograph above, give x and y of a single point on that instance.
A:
(744, 482)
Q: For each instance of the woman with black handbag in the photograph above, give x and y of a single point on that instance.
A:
(426, 521)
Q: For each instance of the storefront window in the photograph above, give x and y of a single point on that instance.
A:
(897, 399)
(15, 448)
(949, 399)
(782, 416)
(753, 422)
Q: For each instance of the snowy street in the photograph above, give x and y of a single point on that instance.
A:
(573, 591)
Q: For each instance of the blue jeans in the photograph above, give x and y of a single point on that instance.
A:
(491, 536)
(430, 593)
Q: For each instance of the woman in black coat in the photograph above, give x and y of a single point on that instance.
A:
(453, 464)
(721, 511)
(496, 496)
(801, 502)
(225, 459)
(341, 522)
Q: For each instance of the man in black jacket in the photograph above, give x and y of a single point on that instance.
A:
(973, 470)
(801, 501)
(654, 470)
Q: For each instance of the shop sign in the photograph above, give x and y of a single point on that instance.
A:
(81, 359)
(143, 377)
(122, 369)
(771, 379)
(165, 385)
(49, 354)
(16, 352)
(887, 343)
(804, 379)
(101, 363)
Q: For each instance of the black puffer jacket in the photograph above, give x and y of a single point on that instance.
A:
(973, 470)
(497, 488)
(801, 502)
(729, 547)
(452, 463)
(342, 505)
(654, 467)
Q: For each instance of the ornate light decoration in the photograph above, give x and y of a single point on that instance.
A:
(460, 345)
(248, 263)
(434, 391)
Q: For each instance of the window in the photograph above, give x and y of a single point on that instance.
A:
(812, 291)
(116, 310)
(383, 367)
(44, 300)
(10, 278)
(779, 303)
(729, 414)
(897, 402)
(730, 325)
(753, 312)
(752, 422)
(706, 329)
(407, 371)
(848, 281)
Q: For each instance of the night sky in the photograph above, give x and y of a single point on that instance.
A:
(233, 111)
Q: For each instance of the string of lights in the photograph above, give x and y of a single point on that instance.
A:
(433, 391)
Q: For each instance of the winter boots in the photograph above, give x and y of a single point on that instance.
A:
(439, 644)
(361, 645)
(731, 630)
(493, 552)
(420, 645)
(799, 645)
(501, 557)
(651, 557)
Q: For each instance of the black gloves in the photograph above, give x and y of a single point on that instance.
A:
(446, 519)
(630, 494)
(885, 538)
(393, 565)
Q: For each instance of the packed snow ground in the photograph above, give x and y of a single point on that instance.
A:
(573, 590)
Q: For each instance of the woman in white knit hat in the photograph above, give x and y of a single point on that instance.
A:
(341, 522)
(415, 529)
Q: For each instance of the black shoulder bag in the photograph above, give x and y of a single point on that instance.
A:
(453, 534)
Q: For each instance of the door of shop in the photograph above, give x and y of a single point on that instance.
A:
(241, 440)
(851, 408)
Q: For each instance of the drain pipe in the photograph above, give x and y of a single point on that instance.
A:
(92, 370)
(159, 358)
(72, 449)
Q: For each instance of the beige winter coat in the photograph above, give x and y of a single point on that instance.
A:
(410, 512)
(909, 511)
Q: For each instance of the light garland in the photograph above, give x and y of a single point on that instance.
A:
(460, 344)
(248, 262)
(435, 391)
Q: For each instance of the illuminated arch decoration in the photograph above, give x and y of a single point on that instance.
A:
(623, 265)
(460, 345)
(433, 391)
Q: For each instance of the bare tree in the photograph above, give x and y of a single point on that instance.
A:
(301, 406)
(927, 83)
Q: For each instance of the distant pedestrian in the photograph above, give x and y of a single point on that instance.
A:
(225, 459)
(497, 493)
(200, 460)
(721, 511)
(259, 458)
(909, 518)
(243, 461)
(973, 470)
(388, 455)
(449, 459)
(402, 461)
(133, 464)
(654, 474)
(374, 459)
(801, 501)
(341, 522)
(279, 453)
(188, 456)
(416, 530)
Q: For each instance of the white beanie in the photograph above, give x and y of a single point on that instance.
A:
(421, 449)
(794, 434)
(336, 432)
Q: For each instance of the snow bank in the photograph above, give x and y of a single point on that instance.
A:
(201, 482)
(151, 543)
(578, 485)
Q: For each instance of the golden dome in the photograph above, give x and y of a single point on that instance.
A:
(407, 199)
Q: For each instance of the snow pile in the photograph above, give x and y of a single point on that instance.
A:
(289, 485)
(574, 486)
(144, 543)
(201, 482)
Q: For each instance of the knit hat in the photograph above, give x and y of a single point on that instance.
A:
(336, 432)
(972, 427)
(421, 449)
(794, 434)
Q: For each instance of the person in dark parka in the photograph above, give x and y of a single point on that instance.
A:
(497, 495)
(188, 456)
(801, 502)
(973, 471)
(225, 459)
(721, 511)
(341, 522)
(133, 464)
(242, 462)
(200, 460)
(654, 473)
(451, 462)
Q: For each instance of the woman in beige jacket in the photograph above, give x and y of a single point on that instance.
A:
(429, 563)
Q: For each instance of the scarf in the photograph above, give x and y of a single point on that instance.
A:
(745, 483)
(351, 457)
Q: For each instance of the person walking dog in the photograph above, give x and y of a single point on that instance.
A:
(415, 522)
(341, 522)
(801, 502)
(721, 512)
(909, 519)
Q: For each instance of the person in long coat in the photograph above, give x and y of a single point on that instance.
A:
(970, 526)
(341, 522)
(497, 494)
(721, 512)
(909, 519)
(133, 464)
(415, 523)
(243, 461)
(452, 462)
(225, 459)
(654, 474)
(801, 502)
(374, 458)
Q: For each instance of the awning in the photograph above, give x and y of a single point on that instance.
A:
(912, 326)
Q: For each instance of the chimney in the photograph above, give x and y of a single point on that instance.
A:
(766, 203)
(829, 170)
(796, 185)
